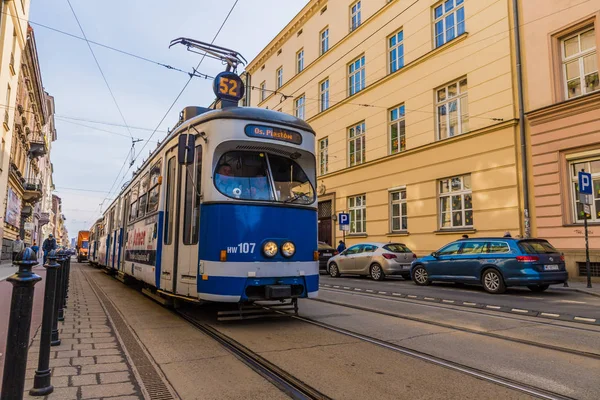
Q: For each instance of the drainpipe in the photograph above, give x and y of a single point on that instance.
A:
(522, 135)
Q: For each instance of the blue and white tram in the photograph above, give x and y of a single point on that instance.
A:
(228, 216)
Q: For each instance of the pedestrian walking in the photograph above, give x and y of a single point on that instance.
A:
(35, 248)
(341, 247)
(48, 245)
(17, 246)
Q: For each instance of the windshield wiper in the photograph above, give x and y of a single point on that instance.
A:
(296, 197)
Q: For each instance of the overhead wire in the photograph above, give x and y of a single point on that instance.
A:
(176, 98)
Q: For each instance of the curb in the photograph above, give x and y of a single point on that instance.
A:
(585, 291)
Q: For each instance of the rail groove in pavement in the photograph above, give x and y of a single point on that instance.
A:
(474, 372)
(467, 304)
(466, 330)
(284, 381)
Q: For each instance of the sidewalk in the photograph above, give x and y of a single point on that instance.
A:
(89, 363)
(580, 286)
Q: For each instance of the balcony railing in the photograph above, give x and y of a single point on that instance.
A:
(32, 189)
(37, 146)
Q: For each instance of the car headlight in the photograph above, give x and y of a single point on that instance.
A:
(288, 249)
(270, 249)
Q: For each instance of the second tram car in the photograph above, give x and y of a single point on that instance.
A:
(224, 210)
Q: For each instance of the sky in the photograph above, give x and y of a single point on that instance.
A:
(87, 156)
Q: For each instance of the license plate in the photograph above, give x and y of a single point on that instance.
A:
(553, 267)
(406, 267)
(327, 254)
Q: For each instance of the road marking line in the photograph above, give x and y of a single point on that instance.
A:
(494, 307)
(448, 301)
(360, 290)
(469, 304)
(335, 286)
(519, 310)
(327, 285)
(428, 298)
(545, 314)
(572, 301)
(382, 292)
(370, 291)
(412, 296)
(585, 319)
(396, 294)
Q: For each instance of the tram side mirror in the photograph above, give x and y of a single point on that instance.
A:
(186, 149)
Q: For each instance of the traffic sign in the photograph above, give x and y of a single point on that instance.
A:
(344, 221)
(587, 209)
(585, 183)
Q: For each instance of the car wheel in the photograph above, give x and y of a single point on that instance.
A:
(333, 270)
(420, 276)
(538, 288)
(377, 272)
(493, 282)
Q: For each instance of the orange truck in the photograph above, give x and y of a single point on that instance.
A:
(83, 240)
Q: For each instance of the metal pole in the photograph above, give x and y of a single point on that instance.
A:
(522, 136)
(55, 341)
(42, 380)
(587, 251)
(19, 325)
(61, 285)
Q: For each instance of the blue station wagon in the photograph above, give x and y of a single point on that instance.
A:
(495, 263)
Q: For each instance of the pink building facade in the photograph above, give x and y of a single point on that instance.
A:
(562, 92)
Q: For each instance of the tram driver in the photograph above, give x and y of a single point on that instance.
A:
(226, 182)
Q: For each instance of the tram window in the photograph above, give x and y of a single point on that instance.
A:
(134, 203)
(143, 195)
(244, 175)
(154, 192)
(169, 204)
(192, 199)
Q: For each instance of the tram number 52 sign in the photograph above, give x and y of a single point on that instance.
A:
(228, 86)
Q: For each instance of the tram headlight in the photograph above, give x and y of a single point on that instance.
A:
(270, 249)
(288, 249)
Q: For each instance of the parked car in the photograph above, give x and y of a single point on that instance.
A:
(496, 263)
(325, 253)
(373, 259)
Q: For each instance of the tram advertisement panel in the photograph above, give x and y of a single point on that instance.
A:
(142, 242)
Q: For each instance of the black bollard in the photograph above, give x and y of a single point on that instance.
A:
(61, 285)
(41, 382)
(19, 325)
(68, 279)
(55, 341)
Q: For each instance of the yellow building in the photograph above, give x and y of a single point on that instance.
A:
(414, 105)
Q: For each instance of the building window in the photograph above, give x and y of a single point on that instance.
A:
(279, 77)
(591, 166)
(456, 202)
(449, 21)
(396, 51)
(356, 144)
(299, 61)
(452, 109)
(357, 206)
(399, 220)
(324, 40)
(355, 16)
(324, 95)
(299, 107)
(323, 156)
(580, 63)
(356, 76)
(263, 91)
(397, 129)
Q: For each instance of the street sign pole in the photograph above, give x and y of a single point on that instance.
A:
(587, 251)
(585, 193)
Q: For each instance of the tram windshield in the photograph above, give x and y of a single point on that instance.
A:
(247, 175)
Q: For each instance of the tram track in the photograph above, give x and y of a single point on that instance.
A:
(287, 383)
(472, 331)
(452, 365)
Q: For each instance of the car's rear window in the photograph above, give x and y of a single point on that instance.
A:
(536, 247)
(325, 246)
(397, 248)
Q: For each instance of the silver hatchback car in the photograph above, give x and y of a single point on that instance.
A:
(373, 259)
